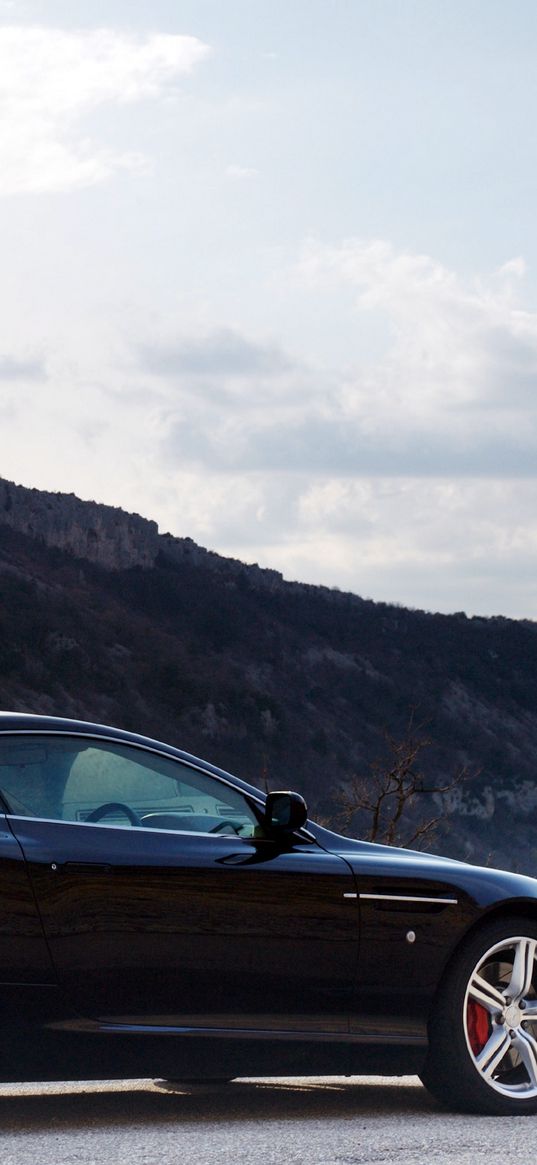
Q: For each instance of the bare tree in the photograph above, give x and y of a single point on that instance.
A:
(387, 802)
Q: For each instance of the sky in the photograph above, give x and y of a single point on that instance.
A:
(268, 275)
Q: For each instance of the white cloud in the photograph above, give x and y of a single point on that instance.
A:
(51, 79)
(460, 364)
(453, 395)
(241, 173)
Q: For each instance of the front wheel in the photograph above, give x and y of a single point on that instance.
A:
(483, 1026)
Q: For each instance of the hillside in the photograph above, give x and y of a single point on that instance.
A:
(102, 617)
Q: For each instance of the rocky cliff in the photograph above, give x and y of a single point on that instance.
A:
(101, 534)
(112, 538)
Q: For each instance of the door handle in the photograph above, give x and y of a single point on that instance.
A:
(82, 867)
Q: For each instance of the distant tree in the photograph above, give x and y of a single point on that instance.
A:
(387, 804)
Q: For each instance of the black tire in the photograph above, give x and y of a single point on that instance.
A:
(483, 1025)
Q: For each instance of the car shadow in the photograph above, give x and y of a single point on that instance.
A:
(35, 1107)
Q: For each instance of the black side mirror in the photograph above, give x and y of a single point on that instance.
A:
(285, 812)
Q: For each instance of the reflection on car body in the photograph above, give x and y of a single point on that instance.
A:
(161, 917)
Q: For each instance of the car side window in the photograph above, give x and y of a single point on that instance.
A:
(79, 779)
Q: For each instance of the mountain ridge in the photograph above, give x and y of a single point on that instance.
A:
(278, 681)
(112, 537)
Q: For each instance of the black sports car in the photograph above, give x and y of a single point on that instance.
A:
(160, 917)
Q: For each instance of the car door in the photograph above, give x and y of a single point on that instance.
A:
(164, 904)
(24, 957)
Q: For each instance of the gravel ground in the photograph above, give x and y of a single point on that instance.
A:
(333, 1121)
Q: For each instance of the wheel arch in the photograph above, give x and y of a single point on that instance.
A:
(516, 907)
(510, 908)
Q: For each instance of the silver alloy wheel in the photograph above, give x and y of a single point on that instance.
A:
(500, 1017)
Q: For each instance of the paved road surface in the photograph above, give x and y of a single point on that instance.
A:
(278, 1122)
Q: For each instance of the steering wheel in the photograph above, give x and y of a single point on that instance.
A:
(114, 807)
(222, 825)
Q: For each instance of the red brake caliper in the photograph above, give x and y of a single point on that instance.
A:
(478, 1020)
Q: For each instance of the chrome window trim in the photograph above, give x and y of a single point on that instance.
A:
(127, 829)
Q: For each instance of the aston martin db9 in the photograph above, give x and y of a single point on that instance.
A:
(160, 917)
